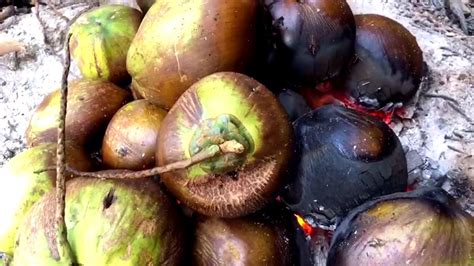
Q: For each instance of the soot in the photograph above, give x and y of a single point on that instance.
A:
(388, 63)
(344, 158)
(305, 42)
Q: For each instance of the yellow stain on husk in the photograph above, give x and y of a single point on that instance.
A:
(383, 210)
(44, 254)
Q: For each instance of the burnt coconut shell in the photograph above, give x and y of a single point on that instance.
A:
(388, 64)
(345, 158)
(221, 107)
(294, 104)
(306, 41)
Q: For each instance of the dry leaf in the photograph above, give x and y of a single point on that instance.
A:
(10, 46)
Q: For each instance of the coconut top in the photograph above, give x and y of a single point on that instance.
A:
(354, 135)
(221, 107)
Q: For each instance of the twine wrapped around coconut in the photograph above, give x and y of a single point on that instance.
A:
(63, 247)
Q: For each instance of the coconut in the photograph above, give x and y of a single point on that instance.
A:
(424, 227)
(109, 222)
(180, 42)
(131, 136)
(91, 105)
(21, 185)
(225, 107)
(100, 41)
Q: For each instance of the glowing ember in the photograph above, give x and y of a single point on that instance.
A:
(386, 117)
(324, 95)
(324, 87)
(308, 230)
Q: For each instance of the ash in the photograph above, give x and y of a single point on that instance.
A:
(436, 129)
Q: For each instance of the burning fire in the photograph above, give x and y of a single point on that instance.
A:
(325, 94)
(308, 229)
(410, 188)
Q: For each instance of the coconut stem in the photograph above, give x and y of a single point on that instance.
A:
(230, 146)
(62, 245)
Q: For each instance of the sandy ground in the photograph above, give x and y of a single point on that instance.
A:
(27, 77)
(437, 132)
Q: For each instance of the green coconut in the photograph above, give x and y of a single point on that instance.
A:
(21, 187)
(182, 41)
(109, 222)
(91, 105)
(100, 41)
(224, 107)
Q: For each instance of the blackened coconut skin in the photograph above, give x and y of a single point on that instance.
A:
(306, 41)
(345, 158)
(388, 64)
(294, 104)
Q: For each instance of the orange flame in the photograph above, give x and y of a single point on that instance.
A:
(307, 229)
